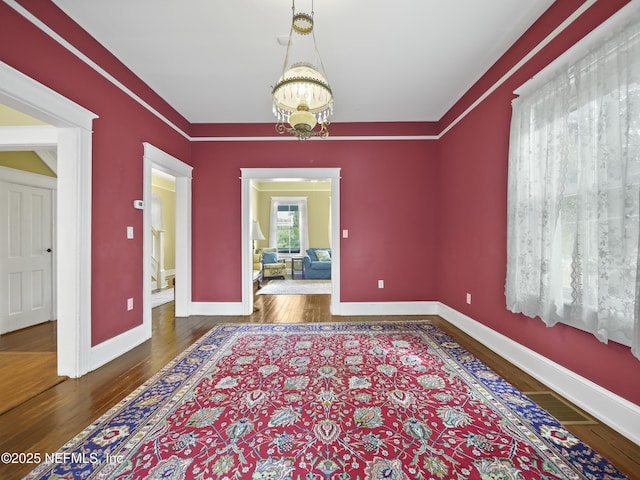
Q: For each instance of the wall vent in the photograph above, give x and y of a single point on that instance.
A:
(563, 411)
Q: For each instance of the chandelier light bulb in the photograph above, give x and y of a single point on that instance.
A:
(302, 97)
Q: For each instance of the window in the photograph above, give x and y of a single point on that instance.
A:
(574, 194)
(288, 225)
(288, 228)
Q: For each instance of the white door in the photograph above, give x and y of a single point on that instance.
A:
(25, 256)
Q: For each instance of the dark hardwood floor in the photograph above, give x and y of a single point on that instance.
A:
(54, 416)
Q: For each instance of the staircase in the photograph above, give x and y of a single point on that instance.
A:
(158, 279)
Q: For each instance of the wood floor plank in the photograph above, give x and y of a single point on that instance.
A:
(24, 373)
(51, 418)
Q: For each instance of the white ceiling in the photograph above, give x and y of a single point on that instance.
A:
(215, 61)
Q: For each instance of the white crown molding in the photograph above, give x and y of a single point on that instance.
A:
(35, 21)
(315, 139)
(523, 61)
(589, 43)
(89, 62)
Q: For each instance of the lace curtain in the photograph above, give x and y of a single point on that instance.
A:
(574, 196)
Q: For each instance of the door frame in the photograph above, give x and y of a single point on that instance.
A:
(249, 175)
(70, 132)
(156, 158)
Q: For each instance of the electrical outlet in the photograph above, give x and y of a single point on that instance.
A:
(380, 283)
(469, 298)
(129, 232)
(129, 303)
(345, 233)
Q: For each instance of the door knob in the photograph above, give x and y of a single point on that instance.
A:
(49, 250)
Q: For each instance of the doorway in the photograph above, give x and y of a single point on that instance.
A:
(163, 233)
(154, 158)
(70, 130)
(295, 217)
(250, 175)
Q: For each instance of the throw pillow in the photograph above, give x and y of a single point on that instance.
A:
(323, 255)
(270, 257)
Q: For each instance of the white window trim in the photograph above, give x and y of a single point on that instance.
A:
(303, 223)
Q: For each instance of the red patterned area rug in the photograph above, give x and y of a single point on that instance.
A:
(326, 402)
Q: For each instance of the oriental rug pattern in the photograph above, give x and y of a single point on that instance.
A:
(326, 402)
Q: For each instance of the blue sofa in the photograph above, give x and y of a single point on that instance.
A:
(317, 267)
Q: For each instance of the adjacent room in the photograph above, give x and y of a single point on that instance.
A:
(297, 219)
(327, 239)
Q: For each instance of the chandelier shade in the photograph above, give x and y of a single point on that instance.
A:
(302, 97)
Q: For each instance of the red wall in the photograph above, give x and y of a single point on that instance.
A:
(428, 217)
(387, 204)
(119, 131)
(472, 216)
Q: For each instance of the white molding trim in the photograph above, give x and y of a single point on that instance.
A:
(74, 251)
(389, 308)
(45, 104)
(248, 175)
(111, 349)
(587, 44)
(73, 125)
(217, 308)
(95, 66)
(27, 138)
(620, 414)
(522, 62)
(334, 137)
(21, 177)
(89, 62)
(154, 158)
(49, 157)
(42, 139)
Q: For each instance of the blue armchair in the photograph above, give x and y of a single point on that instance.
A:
(317, 263)
(272, 266)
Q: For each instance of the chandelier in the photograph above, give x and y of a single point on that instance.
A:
(302, 98)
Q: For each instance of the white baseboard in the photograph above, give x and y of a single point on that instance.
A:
(110, 349)
(216, 308)
(163, 276)
(613, 410)
(388, 308)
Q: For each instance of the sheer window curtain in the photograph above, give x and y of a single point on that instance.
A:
(301, 202)
(573, 195)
